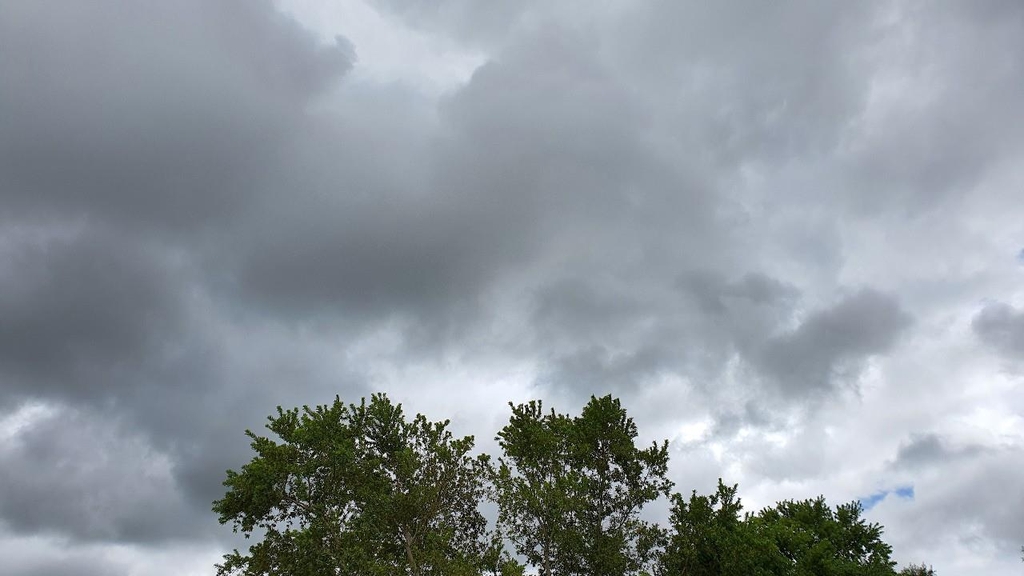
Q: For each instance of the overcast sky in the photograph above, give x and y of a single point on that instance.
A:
(789, 235)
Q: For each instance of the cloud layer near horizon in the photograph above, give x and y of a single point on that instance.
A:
(786, 235)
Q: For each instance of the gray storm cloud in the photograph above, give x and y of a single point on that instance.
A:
(1001, 327)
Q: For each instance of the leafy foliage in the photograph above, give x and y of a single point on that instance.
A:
(794, 538)
(917, 570)
(360, 490)
(535, 486)
(820, 541)
(709, 538)
(570, 490)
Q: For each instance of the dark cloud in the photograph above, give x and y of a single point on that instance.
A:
(604, 340)
(55, 556)
(608, 336)
(575, 306)
(64, 567)
(80, 307)
(425, 239)
(1001, 327)
(69, 567)
(597, 370)
(716, 297)
(132, 136)
(830, 345)
(921, 449)
(429, 241)
(749, 309)
(156, 114)
(729, 421)
(123, 490)
(931, 449)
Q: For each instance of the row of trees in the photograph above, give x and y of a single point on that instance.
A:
(359, 489)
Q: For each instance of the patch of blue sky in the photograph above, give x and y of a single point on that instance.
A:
(902, 492)
(905, 492)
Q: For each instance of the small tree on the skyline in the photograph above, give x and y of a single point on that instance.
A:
(819, 540)
(360, 490)
(570, 490)
(709, 536)
(917, 570)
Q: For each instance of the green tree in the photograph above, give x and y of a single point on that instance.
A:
(359, 489)
(570, 490)
(816, 540)
(917, 570)
(532, 484)
(709, 537)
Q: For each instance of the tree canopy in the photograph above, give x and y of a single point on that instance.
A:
(708, 536)
(917, 570)
(818, 540)
(570, 490)
(360, 489)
